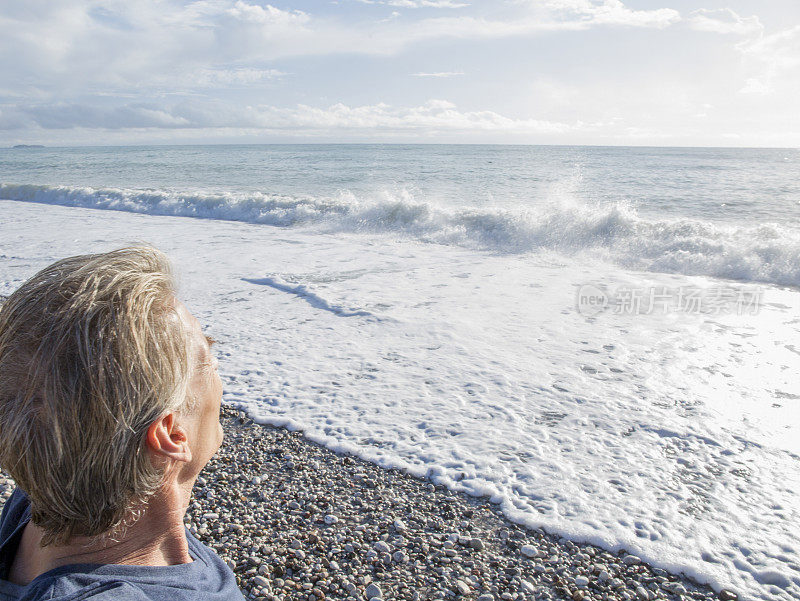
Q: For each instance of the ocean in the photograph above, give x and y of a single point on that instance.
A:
(603, 341)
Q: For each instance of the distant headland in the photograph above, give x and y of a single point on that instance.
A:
(28, 146)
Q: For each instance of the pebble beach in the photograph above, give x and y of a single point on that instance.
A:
(296, 521)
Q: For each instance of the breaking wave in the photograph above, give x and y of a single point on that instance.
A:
(767, 252)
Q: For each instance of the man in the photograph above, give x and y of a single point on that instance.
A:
(109, 409)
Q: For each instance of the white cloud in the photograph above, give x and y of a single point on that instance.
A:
(419, 3)
(775, 58)
(603, 12)
(756, 87)
(768, 60)
(127, 43)
(545, 15)
(540, 16)
(71, 115)
(234, 76)
(68, 49)
(426, 3)
(433, 116)
(267, 14)
(780, 50)
(162, 68)
(391, 17)
(724, 20)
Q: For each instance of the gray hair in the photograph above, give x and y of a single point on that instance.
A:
(92, 351)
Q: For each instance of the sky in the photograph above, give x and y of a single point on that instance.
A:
(597, 72)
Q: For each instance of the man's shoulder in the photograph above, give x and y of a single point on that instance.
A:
(123, 590)
(208, 578)
(14, 508)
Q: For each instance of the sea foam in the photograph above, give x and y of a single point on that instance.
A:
(766, 252)
(672, 436)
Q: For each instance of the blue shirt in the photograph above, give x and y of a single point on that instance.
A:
(207, 578)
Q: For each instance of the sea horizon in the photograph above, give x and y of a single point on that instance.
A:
(390, 143)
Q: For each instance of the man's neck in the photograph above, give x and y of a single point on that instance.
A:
(157, 538)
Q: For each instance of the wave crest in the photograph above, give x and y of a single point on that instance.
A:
(768, 252)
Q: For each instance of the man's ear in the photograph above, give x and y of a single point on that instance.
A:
(166, 438)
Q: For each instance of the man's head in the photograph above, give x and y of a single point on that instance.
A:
(107, 387)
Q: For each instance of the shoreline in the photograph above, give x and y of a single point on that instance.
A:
(299, 521)
(295, 520)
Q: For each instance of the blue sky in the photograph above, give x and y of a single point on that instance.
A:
(514, 71)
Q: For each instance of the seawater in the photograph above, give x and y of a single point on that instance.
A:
(420, 306)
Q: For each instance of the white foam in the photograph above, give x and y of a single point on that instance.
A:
(655, 433)
(767, 252)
